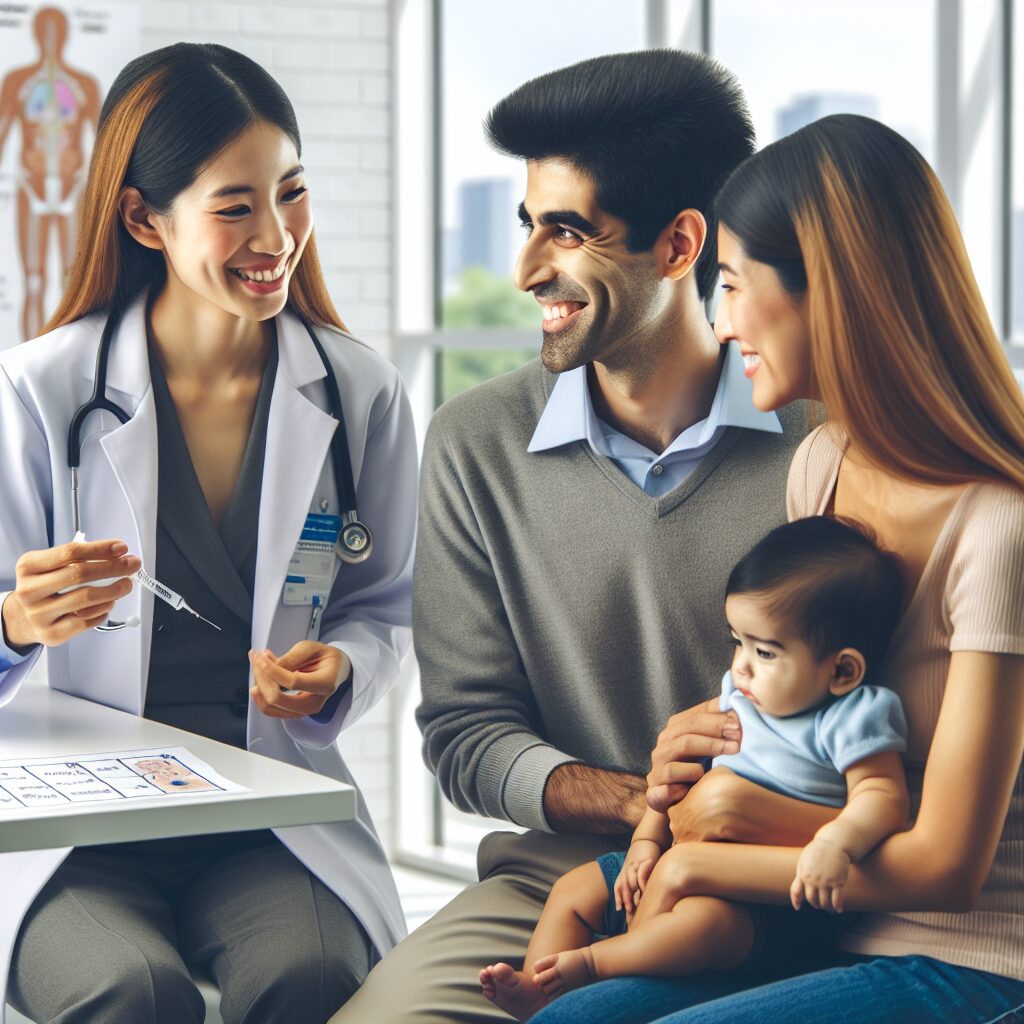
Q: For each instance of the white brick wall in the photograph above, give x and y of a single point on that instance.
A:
(333, 58)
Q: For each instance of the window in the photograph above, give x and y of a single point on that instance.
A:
(798, 62)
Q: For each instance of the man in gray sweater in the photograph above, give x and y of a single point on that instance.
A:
(580, 516)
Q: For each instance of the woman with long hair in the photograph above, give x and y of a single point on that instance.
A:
(234, 429)
(847, 282)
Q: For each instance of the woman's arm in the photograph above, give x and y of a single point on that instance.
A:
(942, 862)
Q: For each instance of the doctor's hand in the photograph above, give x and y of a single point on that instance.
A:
(316, 670)
(43, 609)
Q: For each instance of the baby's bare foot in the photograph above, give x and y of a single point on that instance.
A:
(562, 972)
(512, 991)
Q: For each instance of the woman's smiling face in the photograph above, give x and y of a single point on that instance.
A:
(767, 322)
(234, 237)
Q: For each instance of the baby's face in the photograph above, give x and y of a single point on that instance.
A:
(772, 666)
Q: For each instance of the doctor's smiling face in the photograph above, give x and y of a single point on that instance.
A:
(233, 238)
(596, 297)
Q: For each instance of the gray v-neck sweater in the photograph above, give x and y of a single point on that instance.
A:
(559, 613)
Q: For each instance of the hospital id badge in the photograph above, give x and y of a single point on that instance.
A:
(312, 563)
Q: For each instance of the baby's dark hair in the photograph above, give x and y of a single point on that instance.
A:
(830, 581)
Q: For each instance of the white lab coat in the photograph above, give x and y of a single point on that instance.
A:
(367, 616)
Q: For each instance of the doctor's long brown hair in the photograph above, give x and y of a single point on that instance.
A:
(166, 116)
(903, 353)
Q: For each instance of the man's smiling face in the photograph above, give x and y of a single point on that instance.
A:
(596, 296)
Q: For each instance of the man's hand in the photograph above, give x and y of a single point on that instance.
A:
(689, 738)
(578, 798)
(723, 807)
(315, 670)
(821, 874)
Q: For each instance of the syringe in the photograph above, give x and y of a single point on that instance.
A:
(176, 601)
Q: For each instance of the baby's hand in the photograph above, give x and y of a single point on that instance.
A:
(821, 874)
(641, 857)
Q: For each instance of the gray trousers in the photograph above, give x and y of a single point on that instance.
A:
(110, 937)
(432, 977)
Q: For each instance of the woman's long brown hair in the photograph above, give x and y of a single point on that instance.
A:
(904, 355)
(156, 98)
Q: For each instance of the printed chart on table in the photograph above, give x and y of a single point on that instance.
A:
(104, 777)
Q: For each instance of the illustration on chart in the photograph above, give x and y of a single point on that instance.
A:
(52, 103)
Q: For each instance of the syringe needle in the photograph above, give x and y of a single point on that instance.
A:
(198, 616)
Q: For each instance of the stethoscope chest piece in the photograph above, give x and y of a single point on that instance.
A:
(355, 542)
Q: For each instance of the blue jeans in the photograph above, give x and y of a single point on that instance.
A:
(861, 990)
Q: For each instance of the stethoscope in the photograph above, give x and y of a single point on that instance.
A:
(354, 543)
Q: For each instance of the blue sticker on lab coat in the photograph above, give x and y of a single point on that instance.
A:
(311, 567)
(322, 528)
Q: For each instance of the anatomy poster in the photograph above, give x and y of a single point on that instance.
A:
(56, 64)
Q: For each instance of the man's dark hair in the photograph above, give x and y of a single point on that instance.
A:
(658, 131)
(830, 581)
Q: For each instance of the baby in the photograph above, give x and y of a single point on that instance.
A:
(810, 608)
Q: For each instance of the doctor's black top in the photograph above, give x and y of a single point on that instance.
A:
(199, 677)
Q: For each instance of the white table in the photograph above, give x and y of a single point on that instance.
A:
(41, 722)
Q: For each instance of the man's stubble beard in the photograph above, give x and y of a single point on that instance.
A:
(613, 332)
(632, 360)
(570, 349)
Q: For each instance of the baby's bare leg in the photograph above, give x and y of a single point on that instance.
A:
(700, 933)
(571, 916)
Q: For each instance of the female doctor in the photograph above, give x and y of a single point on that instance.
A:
(196, 248)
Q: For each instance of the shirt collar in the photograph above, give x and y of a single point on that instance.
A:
(569, 413)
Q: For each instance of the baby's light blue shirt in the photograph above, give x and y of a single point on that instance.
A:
(805, 756)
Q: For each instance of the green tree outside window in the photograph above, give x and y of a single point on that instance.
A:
(483, 300)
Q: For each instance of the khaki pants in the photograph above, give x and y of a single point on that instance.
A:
(432, 977)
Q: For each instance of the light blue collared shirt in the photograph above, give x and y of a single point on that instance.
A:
(569, 416)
